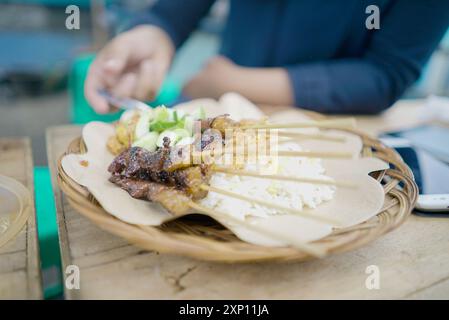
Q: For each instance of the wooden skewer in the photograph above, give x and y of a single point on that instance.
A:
(315, 154)
(269, 204)
(281, 153)
(308, 248)
(305, 136)
(286, 178)
(345, 123)
(310, 136)
(288, 153)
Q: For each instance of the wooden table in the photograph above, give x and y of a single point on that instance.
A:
(413, 260)
(20, 276)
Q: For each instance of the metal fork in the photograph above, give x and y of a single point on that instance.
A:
(123, 103)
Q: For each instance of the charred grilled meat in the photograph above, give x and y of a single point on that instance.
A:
(132, 164)
(223, 122)
(145, 174)
(163, 175)
(174, 200)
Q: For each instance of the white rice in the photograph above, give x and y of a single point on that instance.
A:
(285, 193)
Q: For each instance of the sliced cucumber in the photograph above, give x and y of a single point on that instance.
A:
(161, 113)
(175, 116)
(199, 114)
(189, 122)
(148, 141)
(182, 133)
(162, 125)
(180, 113)
(185, 141)
(128, 115)
(143, 124)
(169, 134)
(164, 119)
(171, 115)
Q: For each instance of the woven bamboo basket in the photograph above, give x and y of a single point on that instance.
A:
(203, 238)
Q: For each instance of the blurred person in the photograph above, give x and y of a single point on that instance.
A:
(313, 54)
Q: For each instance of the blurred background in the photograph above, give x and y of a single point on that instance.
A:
(43, 66)
(42, 70)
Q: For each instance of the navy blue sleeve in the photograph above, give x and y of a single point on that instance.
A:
(408, 34)
(177, 17)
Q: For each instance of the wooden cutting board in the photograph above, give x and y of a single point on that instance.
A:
(20, 276)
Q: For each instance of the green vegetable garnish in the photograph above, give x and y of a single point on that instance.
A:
(188, 124)
(181, 133)
(200, 114)
(143, 125)
(169, 134)
(148, 141)
(161, 120)
(162, 125)
(161, 114)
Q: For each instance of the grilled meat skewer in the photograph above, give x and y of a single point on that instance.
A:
(162, 176)
(139, 164)
(174, 200)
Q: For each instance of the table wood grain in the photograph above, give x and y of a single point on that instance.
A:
(20, 276)
(413, 260)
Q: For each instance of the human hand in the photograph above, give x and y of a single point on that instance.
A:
(269, 86)
(216, 78)
(133, 64)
